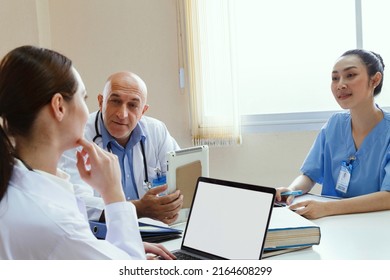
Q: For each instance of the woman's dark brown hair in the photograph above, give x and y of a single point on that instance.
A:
(29, 77)
(373, 62)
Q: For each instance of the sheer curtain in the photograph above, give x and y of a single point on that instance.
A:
(207, 39)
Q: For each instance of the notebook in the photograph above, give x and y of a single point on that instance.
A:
(227, 220)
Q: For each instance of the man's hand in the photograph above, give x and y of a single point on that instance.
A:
(163, 208)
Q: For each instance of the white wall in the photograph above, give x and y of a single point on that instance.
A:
(103, 36)
(18, 24)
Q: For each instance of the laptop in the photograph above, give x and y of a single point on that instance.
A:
(227, 220)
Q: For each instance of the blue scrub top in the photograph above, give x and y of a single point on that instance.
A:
(334, 144)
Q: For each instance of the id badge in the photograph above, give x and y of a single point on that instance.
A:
(344, 177)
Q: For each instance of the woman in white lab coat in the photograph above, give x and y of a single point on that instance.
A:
(43, 113)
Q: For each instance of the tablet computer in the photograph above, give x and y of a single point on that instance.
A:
(184, 167)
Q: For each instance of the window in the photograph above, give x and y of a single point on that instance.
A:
(375, 17)
(273, 59)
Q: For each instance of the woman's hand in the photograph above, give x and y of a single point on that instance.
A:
(101, 170)
(311, 209)
(157, 252)
(281, 198)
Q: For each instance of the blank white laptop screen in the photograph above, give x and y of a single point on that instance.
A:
(229, 222)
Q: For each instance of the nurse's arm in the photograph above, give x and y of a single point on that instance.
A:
(302, 182)
(312, 209)
(365, 203)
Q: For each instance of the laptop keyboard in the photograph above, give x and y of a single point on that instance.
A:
(184, 256)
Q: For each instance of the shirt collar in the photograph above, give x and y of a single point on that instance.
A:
(136, 136)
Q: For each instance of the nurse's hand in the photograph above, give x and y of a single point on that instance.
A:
(101, 170)
(287, 199)
(157, 252)
(163, 208)
(311, 209)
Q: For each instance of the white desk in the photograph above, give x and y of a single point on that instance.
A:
(344, 237)
(349, 237)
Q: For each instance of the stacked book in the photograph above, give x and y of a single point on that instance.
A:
(289, 231)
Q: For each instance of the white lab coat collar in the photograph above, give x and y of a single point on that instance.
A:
(61, 180)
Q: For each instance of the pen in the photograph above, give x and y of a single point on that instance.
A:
(292, 193)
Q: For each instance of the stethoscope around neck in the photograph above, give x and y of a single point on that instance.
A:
(98, 135)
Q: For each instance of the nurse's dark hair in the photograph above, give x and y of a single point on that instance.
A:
(374, 63)
(29, 77)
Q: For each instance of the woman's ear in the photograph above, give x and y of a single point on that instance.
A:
(58, 106)
(376, 79)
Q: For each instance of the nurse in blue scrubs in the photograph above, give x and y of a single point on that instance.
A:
(350, 157)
